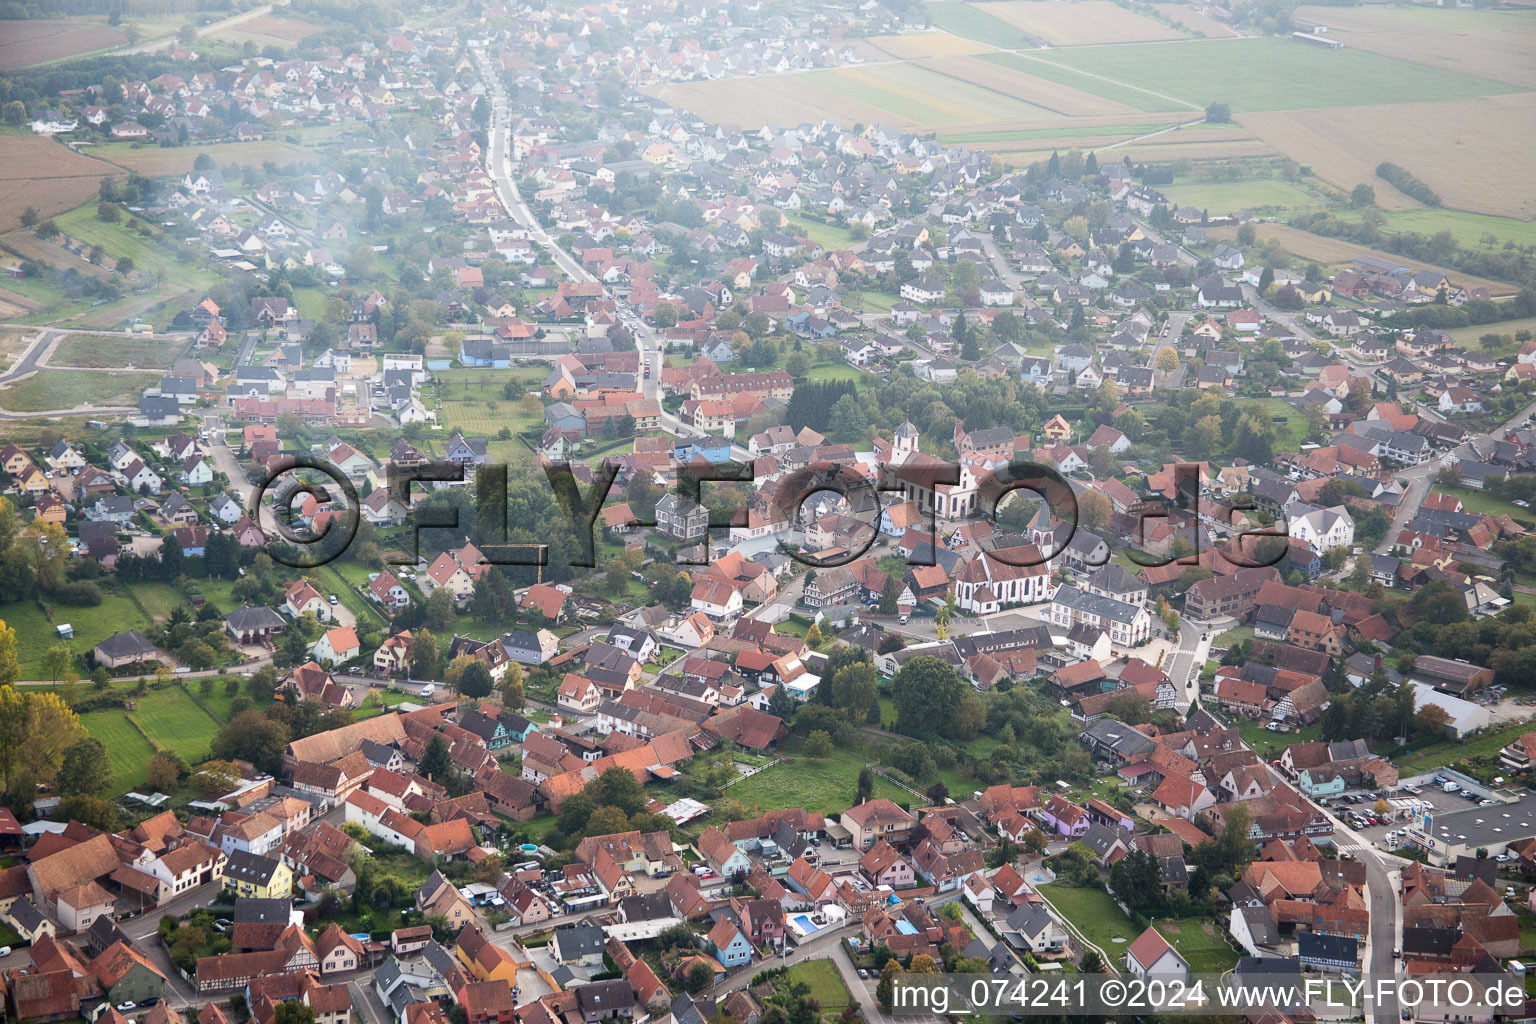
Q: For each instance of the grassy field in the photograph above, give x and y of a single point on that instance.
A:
(1083, 23)
(838, 371)
(1231, 196)
(827, 786)
(66, 389)
(1447, 753)
(826, 984)
(1268, 744)
(128, 751)
(1481, 503)
(96, 350)
(828, 236)
(150, 254)
(1469, 335)
(1151, 101)
(35, 631)
(1267, 74)
(1096, 915)
(175, 722)
(1200, 942)
(1468, 228)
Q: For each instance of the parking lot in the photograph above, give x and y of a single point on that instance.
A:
(1430, 792)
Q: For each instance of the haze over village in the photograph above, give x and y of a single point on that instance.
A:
(541, 512)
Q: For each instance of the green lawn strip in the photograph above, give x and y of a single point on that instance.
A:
(1268, 744)
(1095, 913)
(828, 236)
(127, 749)
(1225, 196)
(367, 616)
(826, 984)
(174, 722)
(1263, 73)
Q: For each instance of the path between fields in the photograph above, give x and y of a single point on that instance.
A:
(206, 30)
(1149, 135)
(1104, 78)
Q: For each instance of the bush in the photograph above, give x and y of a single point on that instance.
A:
(78, 595)
(1407, 184)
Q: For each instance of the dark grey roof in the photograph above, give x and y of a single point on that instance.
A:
(252, 910)
(254, 617)
(125, 644)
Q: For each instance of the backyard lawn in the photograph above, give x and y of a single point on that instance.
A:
(1447, 753)
(172, 719)
(1199, 941)
(826, 984)
(127, 750)
(827, 786)
(1096, 914)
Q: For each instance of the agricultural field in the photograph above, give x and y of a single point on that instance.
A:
(1050, 97)
(1495, 42)
(1469, 335)
(27, 43)
(926, 44)
(97, 350)
(49, 177)
(930, 96)
(1269, 74)
(267, 31)
(1084, 23)
(157, 161)
(1106, 88)
(1336, 252)
(973, 22)
(49, 390)
(1195, 23)
(1453, 145)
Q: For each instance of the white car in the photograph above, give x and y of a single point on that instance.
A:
(125, 1007)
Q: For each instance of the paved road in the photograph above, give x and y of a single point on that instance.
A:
(31, 359)
(1194, 647)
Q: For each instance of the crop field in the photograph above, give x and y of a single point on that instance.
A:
(95, 350)
(973, 22)
(1457, 147)
(156, 162)
(1192, 21)
(65, 389)
(49, 177)
(1497, 43)
(1105, 87)
(1083, 23)
(127, 750)
(1017, 81)
(927, 44)
(929, 84)
(1336, 252)
(1269, 74)
(268, 31)
(25, 43)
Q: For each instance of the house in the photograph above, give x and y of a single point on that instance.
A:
(1150, 956)
(876, 820)
(337, 645)
(125, 648)
(580, 945)
(253, 875)
(729, 946)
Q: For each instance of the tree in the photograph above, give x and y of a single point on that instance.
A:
(1430, 722)
(475, 681)
(813, 636)
(293, 1011)
(512, 692)
(664, 315)
(10, 664)
(1362, 195)
(928, 694)
(35, 730)
(1167, 360)
(699, 976)
(889, 595)
(85, 769)
(1218, 113)
(818, 745)
(797, 365)
(1094, 510)
(424, 653)
(866, 785)
(847, 421)
(164, 771)
(252, 736)
(1203, 435)
(1130, 707)
(436, 763)
(1005, 852)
